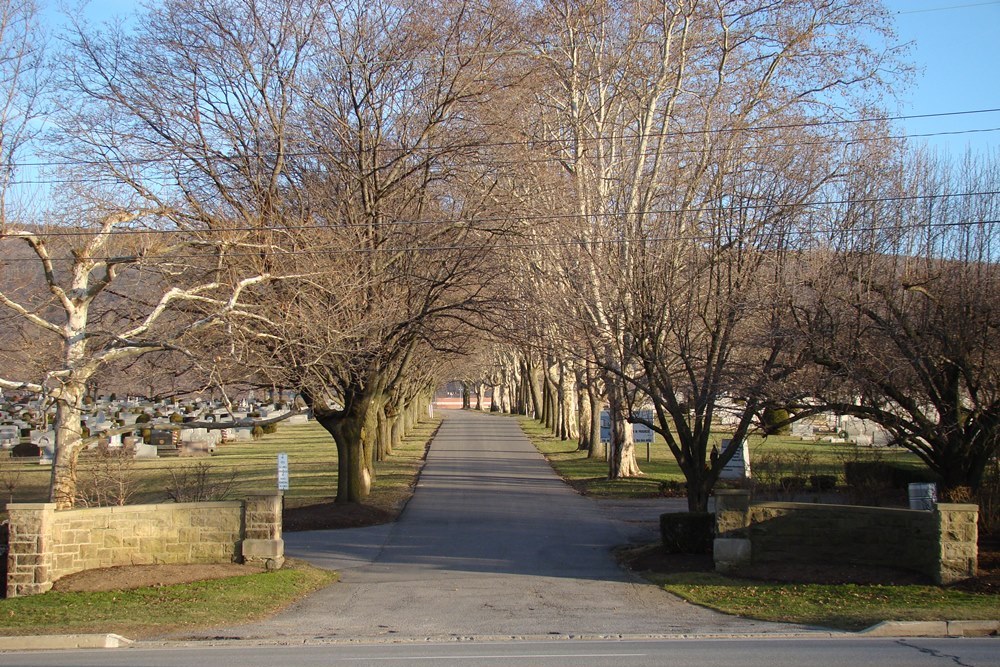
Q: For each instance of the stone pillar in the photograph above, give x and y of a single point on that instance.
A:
(731, 548)
(958, 534)
(262, 543)
(29, 559)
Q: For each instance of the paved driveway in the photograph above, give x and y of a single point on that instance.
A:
(492, 545)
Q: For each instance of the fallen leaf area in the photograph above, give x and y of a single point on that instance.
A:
(140, 576)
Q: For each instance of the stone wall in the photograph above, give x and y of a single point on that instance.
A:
(940, 543)
(45, 544)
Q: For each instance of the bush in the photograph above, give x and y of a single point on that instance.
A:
(866, 474)
(673, 489)
(774, 416)
(270, 428)
(197, 483)
(793, 484)
(687, 532)
(106, 477)
(819, 483)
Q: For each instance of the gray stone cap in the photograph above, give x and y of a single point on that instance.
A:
(829, 507)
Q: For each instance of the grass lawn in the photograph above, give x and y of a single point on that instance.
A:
(794, 457)
(845, 607)
(251, 466)
(146, 612)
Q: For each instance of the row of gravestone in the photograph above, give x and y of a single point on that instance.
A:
(27, 439)
(829, 428)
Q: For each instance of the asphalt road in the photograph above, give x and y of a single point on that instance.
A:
(847, 652)
(493, 545)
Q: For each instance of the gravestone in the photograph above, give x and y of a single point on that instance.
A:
(197, 448)
(46, 448)
(804, 430)
(144, 451)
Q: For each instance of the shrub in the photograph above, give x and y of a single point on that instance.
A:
(687, 532)
(880, 473)
(673, 489)
(270, 428)
(820, 483)
(195, 483)
(106, 477)
(793, 484)
(774, 416)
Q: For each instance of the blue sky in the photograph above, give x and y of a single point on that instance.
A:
(955, 45)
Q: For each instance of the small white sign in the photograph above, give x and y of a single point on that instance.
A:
(738, 467)
(640, 432)
(282, 472)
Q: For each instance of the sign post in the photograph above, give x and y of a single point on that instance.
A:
(282, 471)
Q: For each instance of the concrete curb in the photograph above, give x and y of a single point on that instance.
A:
(56, 642)
(884, 629)
(933, 629)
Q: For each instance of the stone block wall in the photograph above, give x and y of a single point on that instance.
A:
(940, 543)
(45, 544)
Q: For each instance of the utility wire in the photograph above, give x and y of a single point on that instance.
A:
(758, 237)
(165, 181)
(472, 223)
(530, 143)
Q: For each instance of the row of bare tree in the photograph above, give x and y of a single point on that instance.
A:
(647, 203)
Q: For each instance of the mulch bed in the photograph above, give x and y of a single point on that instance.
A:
(328, 516)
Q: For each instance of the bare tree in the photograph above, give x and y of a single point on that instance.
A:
(901, 309)
(94, 316)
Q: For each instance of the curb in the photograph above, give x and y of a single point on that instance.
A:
(933, 629)
(55, 642)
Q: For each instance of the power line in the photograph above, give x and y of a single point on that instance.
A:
(532, 218)
(596, 241)
(165, 181)
(942, 9)
(539, 142)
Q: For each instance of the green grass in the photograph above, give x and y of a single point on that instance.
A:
(845, 607)
(145, 612)
(589, 476)
(312, 464)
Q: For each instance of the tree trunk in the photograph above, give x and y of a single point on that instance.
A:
(622, 463)
(355, 430)
(69, 431)
(535, 391)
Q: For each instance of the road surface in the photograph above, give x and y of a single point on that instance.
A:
(492, 545)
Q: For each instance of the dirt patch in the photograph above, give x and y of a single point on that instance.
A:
(139, 576)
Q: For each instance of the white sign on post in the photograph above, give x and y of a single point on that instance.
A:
(282, 472)
(738, 467)
(640, 432)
